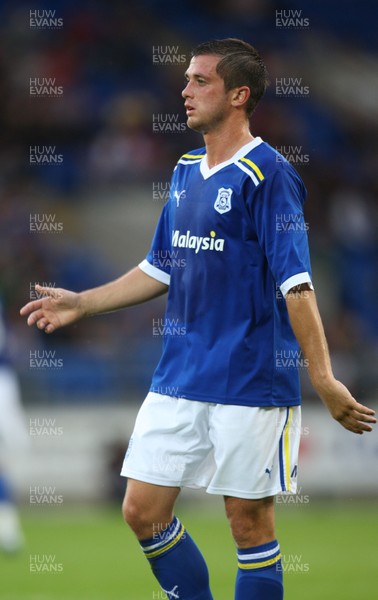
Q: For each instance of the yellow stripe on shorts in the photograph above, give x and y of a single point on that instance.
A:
(287, 450)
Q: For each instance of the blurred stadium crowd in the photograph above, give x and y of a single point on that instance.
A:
(102, 128)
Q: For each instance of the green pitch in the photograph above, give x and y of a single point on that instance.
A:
(86, 553)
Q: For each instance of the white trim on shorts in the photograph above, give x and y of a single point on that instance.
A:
(241, 451)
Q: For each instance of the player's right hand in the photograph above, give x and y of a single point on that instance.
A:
(57, 308)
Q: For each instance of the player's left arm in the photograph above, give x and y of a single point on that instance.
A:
(308, 329)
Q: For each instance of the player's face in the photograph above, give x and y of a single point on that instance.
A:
(206, 101)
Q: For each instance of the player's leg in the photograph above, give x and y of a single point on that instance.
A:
(160, 459)
(175, 559)
(256, 453)
(259, 566)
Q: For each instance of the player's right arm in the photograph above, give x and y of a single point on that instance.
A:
(58, 307)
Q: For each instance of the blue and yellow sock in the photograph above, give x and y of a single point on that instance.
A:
(177, 563)
(259, 574)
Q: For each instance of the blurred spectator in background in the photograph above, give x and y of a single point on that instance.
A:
(14, 438)
(126, 148)
(354, 225)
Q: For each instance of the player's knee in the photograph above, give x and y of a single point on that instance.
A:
(131, 512)
(251, 522)
(138, 518)
(243, 531)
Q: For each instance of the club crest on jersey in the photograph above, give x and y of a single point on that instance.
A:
(223, 202)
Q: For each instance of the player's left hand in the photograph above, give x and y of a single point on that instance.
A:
(345, 409)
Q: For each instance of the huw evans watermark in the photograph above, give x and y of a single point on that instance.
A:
(295, 293)
(44, 155)
(291, 19)
(295, 427)
(44, 563)
(45, 19)
(44, 223)
(166, 390)
(298, 498)
(163, 327)
(44, 427)
(291, 87)
(163, 190)
(293, 154)
(167, 259)
(44, 87)
(292, 563)
(34, 294)
(291, 359)
(167, 55)
(44, 359)
(167, 464)
(167, 123)
(42, 495)
(290, 222)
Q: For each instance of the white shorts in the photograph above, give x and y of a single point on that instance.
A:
(245, 452)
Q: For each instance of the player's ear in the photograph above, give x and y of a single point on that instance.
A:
(240, 96)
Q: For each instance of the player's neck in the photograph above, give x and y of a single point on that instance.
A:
(221, 145)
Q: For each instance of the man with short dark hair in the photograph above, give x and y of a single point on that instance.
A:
(240, 297)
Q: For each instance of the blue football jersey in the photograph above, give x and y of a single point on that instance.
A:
(231, 241)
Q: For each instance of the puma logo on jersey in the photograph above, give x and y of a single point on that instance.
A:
(178, 195)
(185, 240)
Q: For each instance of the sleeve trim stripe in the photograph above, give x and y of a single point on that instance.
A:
(189, 162)
(295, 280)
(192, 155)
(249, 172)
(254, 167)
(154, 272)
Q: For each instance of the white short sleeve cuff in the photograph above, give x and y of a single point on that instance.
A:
(295, 280)
(154, 272)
